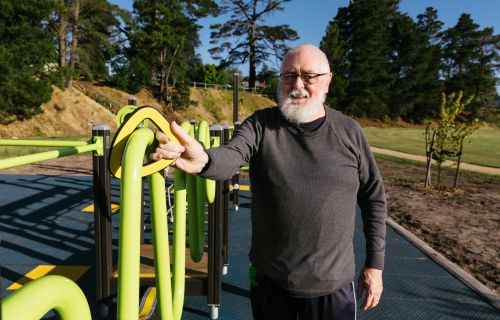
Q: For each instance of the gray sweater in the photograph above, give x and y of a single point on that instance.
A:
(305, 187)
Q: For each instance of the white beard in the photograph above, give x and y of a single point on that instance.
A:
(300, 114)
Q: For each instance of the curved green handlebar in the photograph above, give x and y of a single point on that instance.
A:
(44, 294)
(130, 223)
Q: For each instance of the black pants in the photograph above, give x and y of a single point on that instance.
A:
(270, 302)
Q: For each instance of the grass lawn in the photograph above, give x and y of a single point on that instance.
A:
(15, 151)
(483, 148)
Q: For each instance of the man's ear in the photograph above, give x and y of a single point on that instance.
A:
(328, 81)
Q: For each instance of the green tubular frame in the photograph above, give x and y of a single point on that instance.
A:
(82, 147)
(170, 291)
(44, 294)
(41, 143)
(179, 268)
(195, 222)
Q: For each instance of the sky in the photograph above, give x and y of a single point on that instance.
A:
(310, 18)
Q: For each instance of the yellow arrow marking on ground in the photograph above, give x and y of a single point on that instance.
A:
(90, 208)
(72, 272)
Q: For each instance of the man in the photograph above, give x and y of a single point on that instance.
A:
(309, 167)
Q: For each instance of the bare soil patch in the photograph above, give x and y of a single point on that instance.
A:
(462, 224)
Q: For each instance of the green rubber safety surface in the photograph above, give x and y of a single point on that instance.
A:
(41, 222)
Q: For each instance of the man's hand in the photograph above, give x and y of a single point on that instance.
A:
(190, 156)
(370, 280)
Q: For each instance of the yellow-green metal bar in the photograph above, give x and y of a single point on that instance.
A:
(160, 244)
(42, 156)
(195, 238)
(39, 296)
(179, 267)
(41, 143)
(130, 224)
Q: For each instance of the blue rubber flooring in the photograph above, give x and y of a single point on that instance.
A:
(41, 223)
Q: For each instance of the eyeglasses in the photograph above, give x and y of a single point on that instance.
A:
(307, 78)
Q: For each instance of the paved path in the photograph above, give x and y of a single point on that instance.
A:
(42, 223)
(463, 165)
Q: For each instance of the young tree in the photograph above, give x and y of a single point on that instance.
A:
(449, 130)
(26, 52)
(244, 37)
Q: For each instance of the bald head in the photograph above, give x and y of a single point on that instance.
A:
(317, 57)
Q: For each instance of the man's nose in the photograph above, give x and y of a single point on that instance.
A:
(298, 83)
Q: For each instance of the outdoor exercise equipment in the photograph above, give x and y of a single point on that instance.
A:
(126, 162)
(53, 292)
(37, 297)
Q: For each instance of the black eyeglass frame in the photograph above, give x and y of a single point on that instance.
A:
(312, 80)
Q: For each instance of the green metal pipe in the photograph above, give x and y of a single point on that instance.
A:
(41, 143)
(37, 157)
(195, 239)
(130, 224)
(39, 296)
(161, 246)
(179, 242)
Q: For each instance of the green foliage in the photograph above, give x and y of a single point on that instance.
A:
(163, 39)
(491, 116)
(451, 128)
(387, 65)
(335, 48)
(470, 58)
(61, 76)
(244, 36)
(208, 73)
(268, 78)
(26, 49)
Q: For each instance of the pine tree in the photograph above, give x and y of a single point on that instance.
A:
(369, 77)
(89, 35)
(244, 37)
(431, 85)
(470, 59)
(26, 50)
(334, 46)
(163, 43)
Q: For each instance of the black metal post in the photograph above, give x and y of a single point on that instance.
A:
(102, 215)
(215, 239)
(236, 179)
(236, 84)
(225, 210)
(132, 101)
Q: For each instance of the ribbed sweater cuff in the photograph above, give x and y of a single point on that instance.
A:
(375, 260)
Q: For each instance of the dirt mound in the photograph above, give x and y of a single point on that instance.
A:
(74, 111)
(68, 113)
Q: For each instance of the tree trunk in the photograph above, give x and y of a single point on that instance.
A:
(251, 72)
(75, 14)
(62, 31)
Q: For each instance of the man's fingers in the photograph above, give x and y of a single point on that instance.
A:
(184, 138)
(161, 153)
(371, 301)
